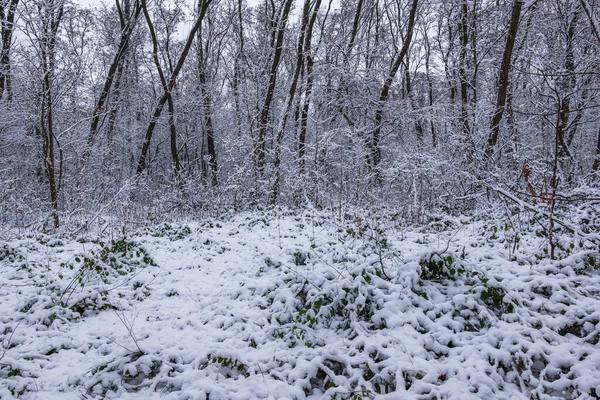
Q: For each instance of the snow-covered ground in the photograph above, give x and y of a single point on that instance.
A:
(300, 305)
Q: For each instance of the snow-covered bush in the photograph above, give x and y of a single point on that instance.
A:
(91, 275)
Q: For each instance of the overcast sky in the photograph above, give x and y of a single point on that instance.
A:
(186, 26)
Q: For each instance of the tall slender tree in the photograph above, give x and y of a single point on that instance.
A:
(504, 77)
(43, 21)
(128, 16)
(7, 25)
(275, 58)
(165, 87)
(375, 156)
(202, 9)
(306, 27)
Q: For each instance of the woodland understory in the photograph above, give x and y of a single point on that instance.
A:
(286, 304)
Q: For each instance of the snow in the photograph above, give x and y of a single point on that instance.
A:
(285, 305)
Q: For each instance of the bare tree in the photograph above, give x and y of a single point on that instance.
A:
(202, 9)
(278, 35)
(7, 24)
(504, 78)
(209, 48)
(307, 24)
(128, 17)
(463, 33)
(308, 87)
(596, 165)
(44, 18)
(375, 156)
(164, 84)
(596, 31)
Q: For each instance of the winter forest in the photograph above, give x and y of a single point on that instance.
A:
(150, 108)
(290, 199)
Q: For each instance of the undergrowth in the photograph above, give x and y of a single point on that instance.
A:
(363, 310)
(459, 301)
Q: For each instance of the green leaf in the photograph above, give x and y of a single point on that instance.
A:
(317, 305)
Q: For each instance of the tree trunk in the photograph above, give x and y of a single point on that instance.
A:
(475, 62)
(167, 91)
(264, 113)
(114, 108)
(413, 102)
(305, 35)
(204, 47)
(568, 84)
(50, 20)
(429, 86)
(596, 166)
(310, 62)
(385, 90)
(446, 58)
(593, 22)
(7, 21)
(237, 70)
(128, 22)
(202, 8)
(504, 78)
(207, 111)
(462, 70)
(596, 30)
(342, 89)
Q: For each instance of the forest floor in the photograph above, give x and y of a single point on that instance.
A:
(285, 305)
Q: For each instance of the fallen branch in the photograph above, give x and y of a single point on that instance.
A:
(537, 210)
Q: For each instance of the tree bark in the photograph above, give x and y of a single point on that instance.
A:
(429, 86)
(207, 111)
(237, 69)
(504, 78)
(593, 21)
(7, 20)
(114, 107)
(305, 34)
(596, 166)
(596, 31)
(413, 102)
(342, 89)
(264, 113)
(463, 30)
(128, 22)
(385, 90)
(167, 91)
(202, 8)
(51, 16)
(310, 62)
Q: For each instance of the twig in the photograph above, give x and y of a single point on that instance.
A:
(9, 341)
(128, 184)
(440, 252)
(537, 210)
(559, 197)
(129, 328)
(117, 343)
